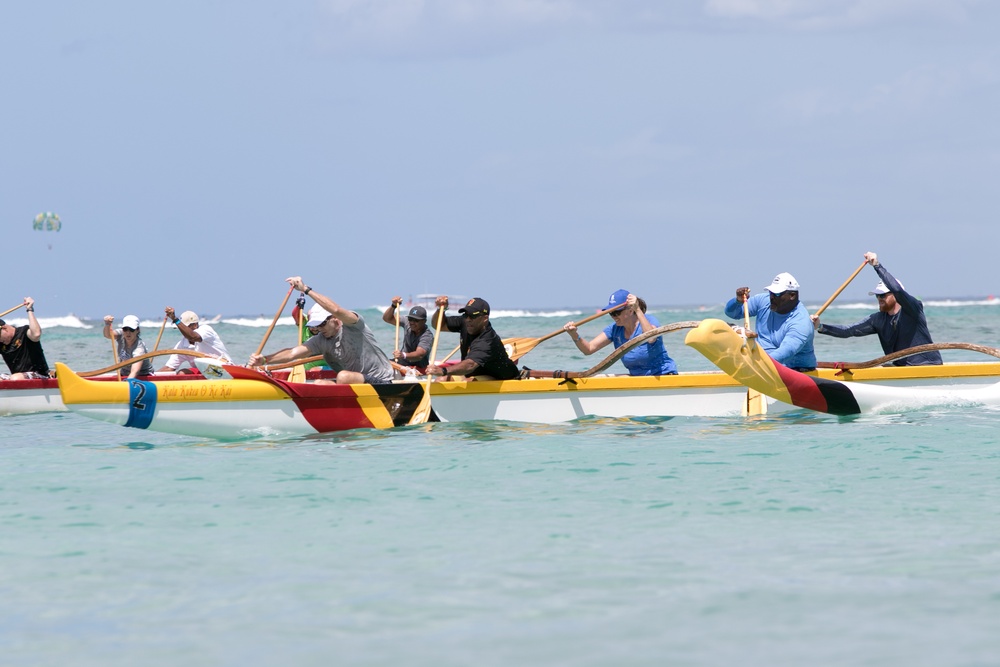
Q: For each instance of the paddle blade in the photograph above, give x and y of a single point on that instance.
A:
(518, 347)
(297, 374)
(755, 404)
(422, 413)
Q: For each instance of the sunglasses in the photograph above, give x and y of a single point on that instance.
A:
(128, 329)
(882, 297)
(472, 317)
(617, 313)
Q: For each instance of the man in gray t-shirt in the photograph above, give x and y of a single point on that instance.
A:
(342, 337)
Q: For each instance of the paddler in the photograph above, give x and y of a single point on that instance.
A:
(21, 347)
(341, 336)
(900, 322)
(782, 324)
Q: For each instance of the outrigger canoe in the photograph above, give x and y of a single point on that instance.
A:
(253, 404)
(883, 389)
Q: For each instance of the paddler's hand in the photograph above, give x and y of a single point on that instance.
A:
(171, 315)
(397, 355)
(257, 359)
(871, 258)
(436, 370)
(815, 320)
(742, 294)
(296, 283)
(109, 320)
(396, 301)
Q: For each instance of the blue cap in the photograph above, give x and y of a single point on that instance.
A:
(618, 298)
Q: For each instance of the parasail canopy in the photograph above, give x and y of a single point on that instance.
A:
(47, 222)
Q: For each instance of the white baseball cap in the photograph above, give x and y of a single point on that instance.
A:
(317, 315)
(130, 321)
(189, 317)
(881, 289)
(782, 283)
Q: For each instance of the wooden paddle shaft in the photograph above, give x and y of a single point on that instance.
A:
(275, 320)
(837, 293)
(160, 335)
(11, 310)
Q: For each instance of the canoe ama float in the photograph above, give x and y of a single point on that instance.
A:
(875, 390)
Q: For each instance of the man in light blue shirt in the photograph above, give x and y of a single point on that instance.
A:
(782, 323)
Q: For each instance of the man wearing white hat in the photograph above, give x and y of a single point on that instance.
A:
(782, 323)
(342, 337)
(196, 336)
(900, 322)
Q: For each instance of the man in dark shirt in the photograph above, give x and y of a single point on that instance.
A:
(21, 347)
(899, 322)
(482, 350)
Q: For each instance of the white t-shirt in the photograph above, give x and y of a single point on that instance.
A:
(210, 344)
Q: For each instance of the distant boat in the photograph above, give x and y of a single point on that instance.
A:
(428, 301)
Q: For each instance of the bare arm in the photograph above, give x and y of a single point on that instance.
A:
(281, 356)
(325, 302)
(190, 334)
(34, 329)
(389, 316)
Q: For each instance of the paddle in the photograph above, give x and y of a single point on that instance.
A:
(114, 347)
(518, 347)
(614, 356)
(820, 310)
(11, 310)
(452, 353)
(307, 360)
(298, 372)
(159, 335)
(397, 327)
(756, 404)
(275, 320)
(423, 410)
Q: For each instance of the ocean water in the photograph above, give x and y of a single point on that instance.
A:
(784, 540)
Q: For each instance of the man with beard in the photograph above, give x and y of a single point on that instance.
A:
(782, 323)
(899, 322)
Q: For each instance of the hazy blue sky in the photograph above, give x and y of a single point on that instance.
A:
(534, 152)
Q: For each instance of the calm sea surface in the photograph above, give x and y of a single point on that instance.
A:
(787, 540)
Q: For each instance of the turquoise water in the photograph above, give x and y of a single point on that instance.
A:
(789, 540)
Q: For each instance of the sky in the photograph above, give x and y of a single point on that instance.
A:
(536, 153)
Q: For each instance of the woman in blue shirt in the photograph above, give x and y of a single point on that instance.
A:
(629, 321)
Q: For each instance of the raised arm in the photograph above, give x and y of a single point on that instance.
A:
(325, 302)
(34, 329)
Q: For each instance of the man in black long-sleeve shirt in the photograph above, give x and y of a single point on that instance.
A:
(899, 322)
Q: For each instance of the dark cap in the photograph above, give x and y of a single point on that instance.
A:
(417, 313)
(2, 323)
(475, 307)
